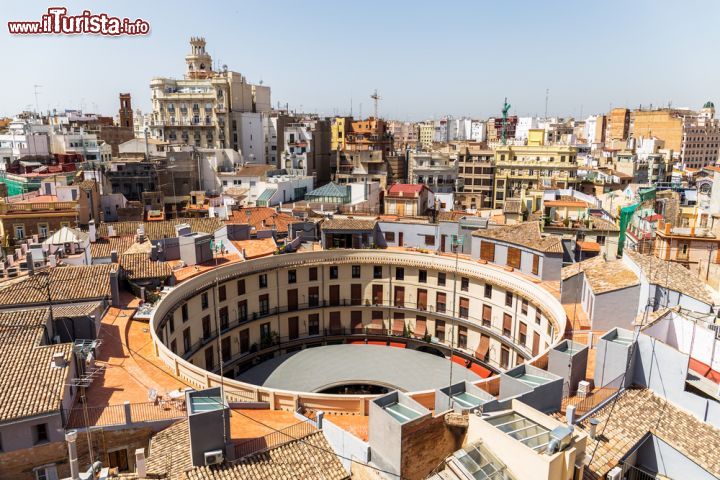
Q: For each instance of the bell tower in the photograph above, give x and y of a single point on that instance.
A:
(126, 112)
(198, 61)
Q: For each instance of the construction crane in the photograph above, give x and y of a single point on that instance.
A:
(505, 110)
(376, 98)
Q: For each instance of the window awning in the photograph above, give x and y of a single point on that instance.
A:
(483, 347)
(398, 325)
(420, 327)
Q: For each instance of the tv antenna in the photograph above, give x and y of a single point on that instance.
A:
(37, 105)
(376, 98)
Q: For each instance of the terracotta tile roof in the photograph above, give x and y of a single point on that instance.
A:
(138, 266)
(311, 458)
(256, 248)
(253, 170)
(76, 309)
(589, 246)
(605, 276)
(405, 190)
(348, 224)
(67, 284)
(575, 268)
(255, 217)
(103, 246)
(638, 412)
(565, 203)
(526, 234)
(23, 395)
(512, 205)
(162, 229)
(671, 275)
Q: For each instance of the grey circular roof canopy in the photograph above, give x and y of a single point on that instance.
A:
(316, 369)
(709, 104)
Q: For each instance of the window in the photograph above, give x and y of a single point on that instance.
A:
(313, 296)
(377, 271)
(522, 336)
(508, 299)
(20, 232)
(262, 280)
(356, 271)
(46, 472)
(440, 330)
(464, 284)
(171, 324)
(538, 316)
(312, 274)
(224, 318)
(507, 324)
(487, 316)
(464, 311)
(488, 290)
(242, 311)
(225, 349)
(265, 332)
(462, 337)
(524, 306)
(43, 230)
(441, 279)
(487, 251)
(222, 293)
(536, 264)
(292, 276)
(184, 311)
(40, 433)
(389, 236)
(504, 357)
(241, 287)
(244, 341)
(264, 302)
(206, 327)
(440, 302)
(314, 324)
(209, 358)
(173, 347)
(430, 240)
(204, 300)
(186, 340)
(399, 273)
(334, 272)
(422, 276)
(513, 257)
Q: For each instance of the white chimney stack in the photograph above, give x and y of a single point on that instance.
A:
(92, 231)
(140, 465)
(70, 438)
(53, 260)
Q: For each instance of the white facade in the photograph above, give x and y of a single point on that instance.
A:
(270, 134)
(524, 125)
(251, 135)
(478, 131)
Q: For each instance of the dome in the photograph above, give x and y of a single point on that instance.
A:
(709, 105)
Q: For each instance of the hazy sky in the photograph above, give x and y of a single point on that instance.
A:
(426, 58)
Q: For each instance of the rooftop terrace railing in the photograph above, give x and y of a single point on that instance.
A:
(275, 439)
(122, 414)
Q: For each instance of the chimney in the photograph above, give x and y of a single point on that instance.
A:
(92, 231)
(570, 414)
(114, 288)
(10, 259)
(668, 228)
(23, 248)
(593, 427)
(70, 438)
(30, 264)
(111, 230)
(58, 360)
(154, 253)
(114, 256)
(53, 260)
(141, 467)
(18, 254)
(72, 249)
(35, 238)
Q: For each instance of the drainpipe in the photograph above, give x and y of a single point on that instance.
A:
(70, 438)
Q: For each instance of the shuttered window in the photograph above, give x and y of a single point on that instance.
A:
(483, 347)
(523, 334)
(507, 324)
(487, 251)
(487, 315)
(536, 265)
(464, 307)
(513, 257)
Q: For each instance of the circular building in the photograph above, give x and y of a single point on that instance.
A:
(327, 329)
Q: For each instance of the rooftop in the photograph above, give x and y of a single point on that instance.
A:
(250, 170)
(671, 275)
(103, 246)
(66, 284)
(404, 190)
(526, 234)
(349, 224)
(638, 412)
(601, 275)
(21, 351)
(138, 266)
(256, 247)
(161, 229)
(263, 218)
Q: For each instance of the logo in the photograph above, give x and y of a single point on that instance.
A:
(57, 22)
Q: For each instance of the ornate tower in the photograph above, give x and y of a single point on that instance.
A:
(126, 112)
(199, 62)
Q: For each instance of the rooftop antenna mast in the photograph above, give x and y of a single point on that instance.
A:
(505, 110)
(376, 99)
(547, 97)
(35, 89)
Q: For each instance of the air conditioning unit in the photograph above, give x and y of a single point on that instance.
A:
(213, 457)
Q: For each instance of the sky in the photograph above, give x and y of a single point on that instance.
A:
(427, 59)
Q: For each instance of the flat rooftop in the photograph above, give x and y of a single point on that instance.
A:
(316, 369)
